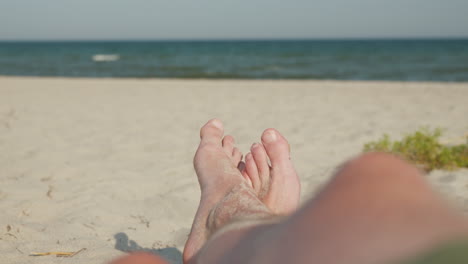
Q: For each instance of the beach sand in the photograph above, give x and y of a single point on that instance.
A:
(106, 164)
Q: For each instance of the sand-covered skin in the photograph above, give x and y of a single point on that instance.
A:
(106, 164)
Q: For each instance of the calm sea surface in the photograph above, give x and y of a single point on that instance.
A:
(413, 60)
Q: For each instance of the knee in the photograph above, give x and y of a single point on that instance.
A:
(374, 158)
(379, 166)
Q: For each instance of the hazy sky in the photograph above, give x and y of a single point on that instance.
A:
(233, 19)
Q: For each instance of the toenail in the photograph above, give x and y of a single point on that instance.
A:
(217, 123)
(269, 136)
(255, 145)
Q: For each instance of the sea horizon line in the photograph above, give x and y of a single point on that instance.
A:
(462, 38)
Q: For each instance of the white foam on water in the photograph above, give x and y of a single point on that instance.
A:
(106, 57)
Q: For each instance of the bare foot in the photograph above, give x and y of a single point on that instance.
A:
(225, 194)
(277, 185)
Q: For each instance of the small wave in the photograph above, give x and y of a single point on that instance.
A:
(106, 57)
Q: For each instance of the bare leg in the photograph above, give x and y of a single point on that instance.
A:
(376, 209)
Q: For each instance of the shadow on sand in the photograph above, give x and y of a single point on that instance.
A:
(123, 243)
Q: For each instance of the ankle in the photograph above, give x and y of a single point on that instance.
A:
(238, 204)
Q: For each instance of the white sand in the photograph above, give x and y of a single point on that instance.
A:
(86, 161)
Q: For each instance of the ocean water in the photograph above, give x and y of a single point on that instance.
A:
(403, 60)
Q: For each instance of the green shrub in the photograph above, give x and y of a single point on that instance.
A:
(424, 149)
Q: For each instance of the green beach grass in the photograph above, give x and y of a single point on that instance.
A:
(424, 149)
